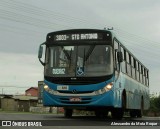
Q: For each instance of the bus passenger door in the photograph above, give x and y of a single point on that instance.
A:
(117, 83)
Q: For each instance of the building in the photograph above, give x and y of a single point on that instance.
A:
(1, 96)
(6, 100)
(32, 91)
(25, 102)
(18, 103)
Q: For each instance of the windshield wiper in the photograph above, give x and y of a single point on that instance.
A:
(70, 58)
(89, 52)
(84, 57)
(66, 53)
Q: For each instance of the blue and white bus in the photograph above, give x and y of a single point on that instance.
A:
(92, 70)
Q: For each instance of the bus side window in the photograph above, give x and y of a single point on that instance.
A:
(137, 71)
(128, 64)
(147, 79)
(127, 57)
(133, 68)
(123, 64)
(142, 74)
(116, 48)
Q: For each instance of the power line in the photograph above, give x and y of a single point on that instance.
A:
(37, 10)
(19, 28)
(144, 52)
(12, 16)
(21, 31)
(12, 87)
(134, 37)
(27, 19)
(28, 8)
(137, 44)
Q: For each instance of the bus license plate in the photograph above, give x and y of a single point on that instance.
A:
(75, 99)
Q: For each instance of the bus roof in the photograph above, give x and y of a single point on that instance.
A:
(78, 31)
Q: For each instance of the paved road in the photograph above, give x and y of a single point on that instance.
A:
(76, 122)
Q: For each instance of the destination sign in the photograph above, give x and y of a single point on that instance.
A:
(86, 36)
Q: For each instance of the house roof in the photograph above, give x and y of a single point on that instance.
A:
(5, 96)
(22, 97)
(32, 88)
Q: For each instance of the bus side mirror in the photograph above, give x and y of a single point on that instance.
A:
(120, 57)
(40, 52)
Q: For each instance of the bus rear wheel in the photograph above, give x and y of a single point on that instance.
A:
(68, 113)
(133, 113)
(140, 112)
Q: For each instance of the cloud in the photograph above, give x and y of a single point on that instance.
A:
(19, 70)
(19, 42)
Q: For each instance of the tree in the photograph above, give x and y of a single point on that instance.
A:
(155, 105)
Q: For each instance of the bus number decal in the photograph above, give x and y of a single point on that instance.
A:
(61, 37)
(59, 71)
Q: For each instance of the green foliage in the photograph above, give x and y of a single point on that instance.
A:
(155, 104)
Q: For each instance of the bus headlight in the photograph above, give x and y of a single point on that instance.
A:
(46, 87)
(49, 90)
(104, 89)
(108, 86)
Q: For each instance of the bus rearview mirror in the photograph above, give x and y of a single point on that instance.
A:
(40, 52)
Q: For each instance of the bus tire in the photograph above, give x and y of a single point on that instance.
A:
(117, 113)
(101, 113)
(140, 112)
(68, 113)
(133, 113)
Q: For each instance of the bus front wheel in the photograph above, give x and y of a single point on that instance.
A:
(101, 113)
(117, 113)
(68, 113)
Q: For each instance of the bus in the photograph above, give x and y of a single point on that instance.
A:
(92, 70)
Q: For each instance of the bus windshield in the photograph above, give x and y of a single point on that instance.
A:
(79, 61)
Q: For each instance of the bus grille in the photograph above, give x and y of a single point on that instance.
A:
(77, 92)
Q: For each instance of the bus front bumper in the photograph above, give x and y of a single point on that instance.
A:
(102, 100)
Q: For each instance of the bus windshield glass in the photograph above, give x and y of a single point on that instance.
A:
(79, 61)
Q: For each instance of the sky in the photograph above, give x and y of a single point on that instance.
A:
(24, 25)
